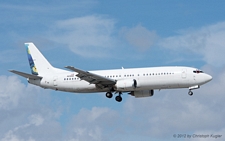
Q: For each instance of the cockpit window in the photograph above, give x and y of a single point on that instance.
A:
(198, 71)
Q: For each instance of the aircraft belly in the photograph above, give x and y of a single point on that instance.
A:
(78, 86)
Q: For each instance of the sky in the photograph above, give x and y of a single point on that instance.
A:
(96, 35)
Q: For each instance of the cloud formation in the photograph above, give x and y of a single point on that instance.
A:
(88, 36)
(139, 37)
(97, 36)
(207, 42)
(93, 124)
(23, 114)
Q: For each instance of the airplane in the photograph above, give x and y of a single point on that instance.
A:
(137, 82)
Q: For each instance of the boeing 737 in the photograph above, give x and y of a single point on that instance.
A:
(138, 82)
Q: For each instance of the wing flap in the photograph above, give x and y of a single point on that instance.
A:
(91, 77)
(26, 75)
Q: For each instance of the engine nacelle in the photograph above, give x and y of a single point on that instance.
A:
(126, 85)
(142, 93)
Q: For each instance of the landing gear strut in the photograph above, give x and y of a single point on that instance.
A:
(193, 88)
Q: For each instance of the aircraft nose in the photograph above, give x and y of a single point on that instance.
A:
(208, 77)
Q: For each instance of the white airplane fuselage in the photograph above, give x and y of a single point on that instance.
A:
(138, 82)
(147, 79)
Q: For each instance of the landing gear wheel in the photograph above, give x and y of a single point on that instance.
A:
(109, 95)
(190, 93)
(118, 98)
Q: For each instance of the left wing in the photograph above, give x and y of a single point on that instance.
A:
(92, 78)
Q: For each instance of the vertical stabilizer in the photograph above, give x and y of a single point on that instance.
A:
(38, 63)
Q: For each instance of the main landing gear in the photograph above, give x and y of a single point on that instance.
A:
(109, 95)
(117, 98)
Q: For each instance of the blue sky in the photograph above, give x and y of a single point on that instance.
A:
(92, 35)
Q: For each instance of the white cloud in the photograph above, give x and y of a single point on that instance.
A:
(139, 37)
(89, 36)
(10, 92)
(207, 42)
(23, 114)
(12, 137)
(36, 119)
(94, 124)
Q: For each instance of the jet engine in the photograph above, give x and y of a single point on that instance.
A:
(142, 93)
(126, 85)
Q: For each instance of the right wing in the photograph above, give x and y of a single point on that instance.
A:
(26, 75)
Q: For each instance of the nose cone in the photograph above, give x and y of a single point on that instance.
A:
(208, 78)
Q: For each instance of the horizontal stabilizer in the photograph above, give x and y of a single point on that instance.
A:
(26, 75)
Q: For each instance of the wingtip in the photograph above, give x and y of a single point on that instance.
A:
(28, 43)
(68, 66)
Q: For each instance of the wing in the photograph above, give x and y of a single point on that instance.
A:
(92, 78)
(26, 75)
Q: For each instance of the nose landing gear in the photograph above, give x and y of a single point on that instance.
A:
(190, 93)
(192, 88)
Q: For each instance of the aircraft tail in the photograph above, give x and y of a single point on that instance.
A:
(39, 65)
